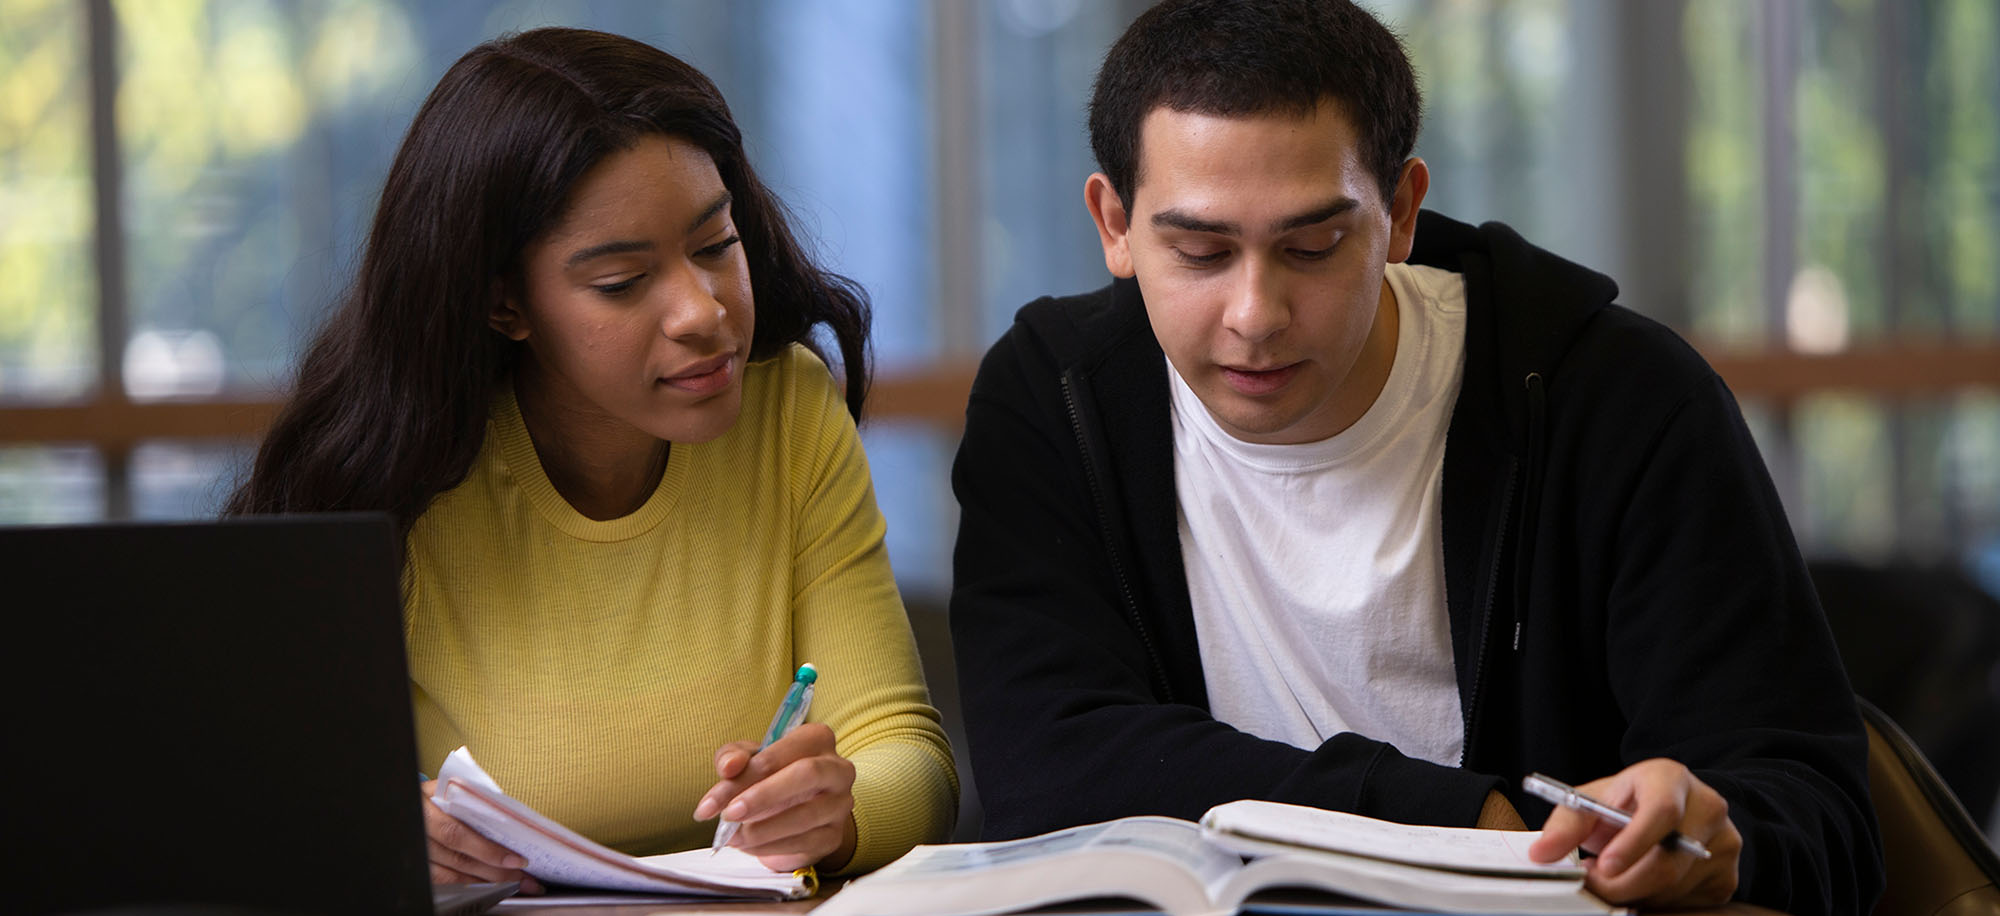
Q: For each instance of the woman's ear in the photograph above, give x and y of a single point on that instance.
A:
(506, 315)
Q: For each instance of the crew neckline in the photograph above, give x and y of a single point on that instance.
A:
(517, 451)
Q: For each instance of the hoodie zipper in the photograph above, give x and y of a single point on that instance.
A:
(1524, 554)
(1523, 529)
(1486, 618)
(1110, 546)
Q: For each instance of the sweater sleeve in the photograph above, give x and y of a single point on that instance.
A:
(848, 620)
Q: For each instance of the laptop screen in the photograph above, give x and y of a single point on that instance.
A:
(213, 713)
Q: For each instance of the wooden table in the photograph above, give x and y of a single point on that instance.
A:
(761, 908)
(736, 908)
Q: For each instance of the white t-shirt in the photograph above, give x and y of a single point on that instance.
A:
(1317, 570)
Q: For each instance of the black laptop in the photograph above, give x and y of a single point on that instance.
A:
(210, 716)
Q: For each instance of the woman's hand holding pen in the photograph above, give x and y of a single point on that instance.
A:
(794, 799)
(459, 855)
(1637, 864)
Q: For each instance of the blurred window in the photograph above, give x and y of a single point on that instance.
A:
(1843, 171)
(48, 288)
(51, 484)
(1770, 178)
(1036, 61)
(182, 479)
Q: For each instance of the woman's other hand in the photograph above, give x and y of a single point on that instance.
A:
(459, 855)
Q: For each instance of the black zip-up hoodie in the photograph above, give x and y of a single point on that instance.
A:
(1620, 578)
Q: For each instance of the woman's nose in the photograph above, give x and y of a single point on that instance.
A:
(689, 309)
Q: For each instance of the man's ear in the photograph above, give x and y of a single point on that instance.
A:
(506, 315)
(1108, 212)
(1410, 188)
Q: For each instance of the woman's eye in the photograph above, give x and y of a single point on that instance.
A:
(716, 250)
(618, 288)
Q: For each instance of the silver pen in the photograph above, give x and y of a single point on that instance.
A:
(1556, 792)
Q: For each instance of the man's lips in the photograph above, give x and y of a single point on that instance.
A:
(705, 377)
(1252, 382)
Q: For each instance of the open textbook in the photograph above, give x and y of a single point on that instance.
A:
(1186, 869)
(559, 855)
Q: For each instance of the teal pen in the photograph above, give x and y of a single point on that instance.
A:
(791, 714)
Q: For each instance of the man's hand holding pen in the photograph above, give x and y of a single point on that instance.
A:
(1641, 863)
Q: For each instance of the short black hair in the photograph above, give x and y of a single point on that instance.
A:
(1243, 57)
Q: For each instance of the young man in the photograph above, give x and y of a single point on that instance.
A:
(1329, 501)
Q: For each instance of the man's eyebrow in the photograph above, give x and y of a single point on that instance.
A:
(1318, 214)
(627, 246)
(1188, 222)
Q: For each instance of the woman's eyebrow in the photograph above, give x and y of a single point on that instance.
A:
(626, 246)
(608, 248)
(708, 213)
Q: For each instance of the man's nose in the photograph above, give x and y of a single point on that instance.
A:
(1261, 304)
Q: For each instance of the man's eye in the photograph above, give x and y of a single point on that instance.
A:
(1200, 260)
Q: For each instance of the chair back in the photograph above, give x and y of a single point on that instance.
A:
(1937, 861)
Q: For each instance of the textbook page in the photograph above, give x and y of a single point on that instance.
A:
(559, 855)
(1465, 849)
(1413, 886)
(1173, 866)
(1161, 861)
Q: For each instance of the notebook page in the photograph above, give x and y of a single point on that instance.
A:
(560, 855)
(1499, 852)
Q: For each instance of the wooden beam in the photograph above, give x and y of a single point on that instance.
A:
(1889, 370)
(932, 395)
(935, 395)
(118, 424)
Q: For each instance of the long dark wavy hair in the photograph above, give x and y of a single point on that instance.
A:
(390, 404)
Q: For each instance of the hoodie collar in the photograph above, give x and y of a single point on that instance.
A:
(1550, 298)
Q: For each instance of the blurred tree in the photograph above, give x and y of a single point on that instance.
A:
(47, 281)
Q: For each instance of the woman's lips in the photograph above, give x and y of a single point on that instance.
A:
(1257, 383)
(704, 378)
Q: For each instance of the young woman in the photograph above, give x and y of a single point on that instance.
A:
(577, 366)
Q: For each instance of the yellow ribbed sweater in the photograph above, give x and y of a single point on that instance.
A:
(593, 667)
